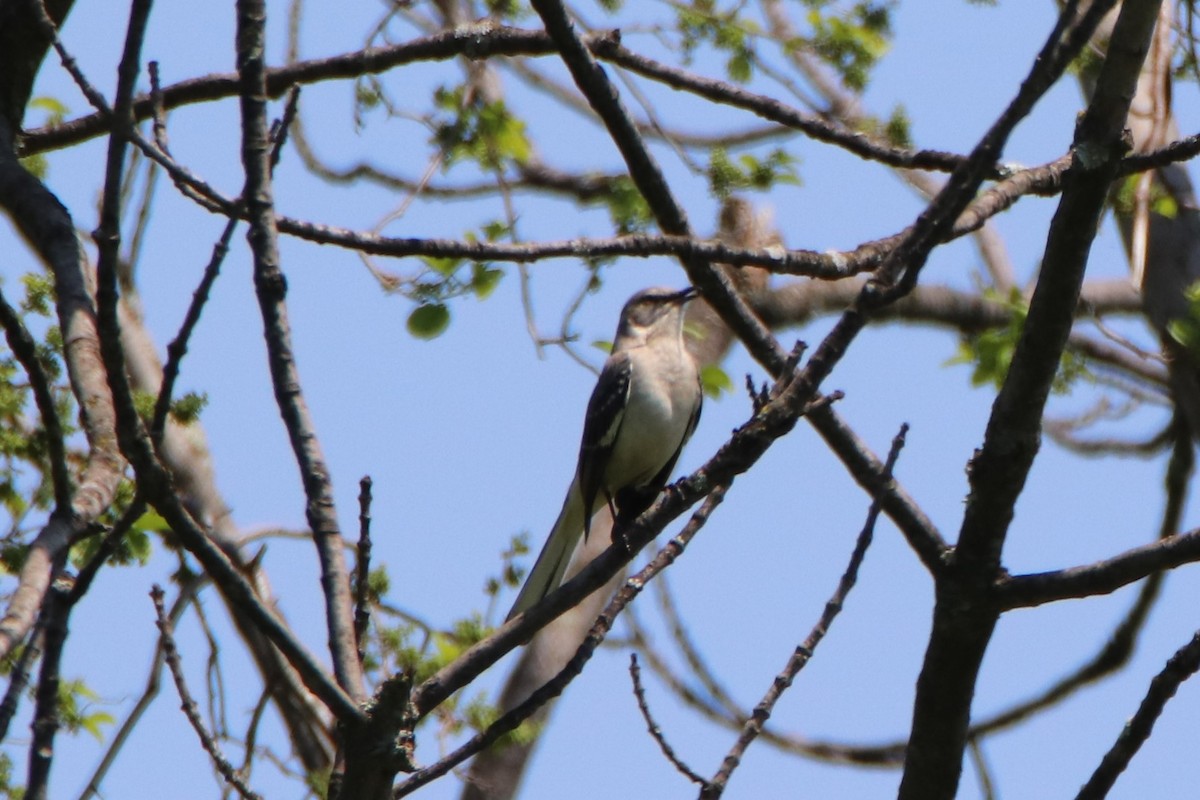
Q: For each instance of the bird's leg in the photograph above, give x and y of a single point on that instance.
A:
(619, 521)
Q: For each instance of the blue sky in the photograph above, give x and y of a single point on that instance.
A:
(455, 479)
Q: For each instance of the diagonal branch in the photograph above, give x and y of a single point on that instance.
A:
(1163, 687)
(207, 741)
(599, 630)
(803, 654)
(47, 226)
(965, 614)
(271, 289)
(113, 397)
(716, 287)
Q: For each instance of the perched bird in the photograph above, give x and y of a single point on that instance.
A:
(643, 410)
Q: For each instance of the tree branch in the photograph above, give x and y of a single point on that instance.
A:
(965, 614)
(753, 726)
(271, 289)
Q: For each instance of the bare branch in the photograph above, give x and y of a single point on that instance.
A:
(762, 712)
(512, 718)
(48, 227)
(716, 287)
(46, 720)
(210, 745)
(635, 674)
(1178, 669)
(271, 289)
(187, 594)
(362, 576)
(877, 479)
(963, 617)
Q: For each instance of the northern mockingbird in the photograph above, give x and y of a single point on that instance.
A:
(643, 410)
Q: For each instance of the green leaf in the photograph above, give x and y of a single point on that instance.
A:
(898, 129)
(36, 165)
(187, 408)
(991, 351)
(143, 403)
(92, 722)
(739, 67)
(715, 380)
(39, 294)
(627, 208)
(151, 522)
(509, 9)
(484, 279)
(442, 266)
(495, 229)
(723, 176)
(56, 111)
(366, 95)
(429, 321)
(378, 581)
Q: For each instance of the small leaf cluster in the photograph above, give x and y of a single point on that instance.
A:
(75, 712)
(1161, 201)
(410, 646)
(726, 175)
(134, 546)
(467, 128)
(896, 130)
(506, 9)
(184, 410)
(702, 22)
(511, 572)
(25, 483)
(1186, 329)
(443, 279)
(715, 381)
(9, 790)
(627, 208)
(75, 703)
(850, 40)
(990, 352)
(479, 713)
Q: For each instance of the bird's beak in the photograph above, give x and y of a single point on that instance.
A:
(688, 294)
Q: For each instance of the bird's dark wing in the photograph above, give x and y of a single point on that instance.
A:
(605, 413)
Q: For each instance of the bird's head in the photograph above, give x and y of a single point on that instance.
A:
(652, 313)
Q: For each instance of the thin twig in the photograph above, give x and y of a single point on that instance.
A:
(986, 786)
(251, 739)
(362, 578)
(554, 687)
(210, 745)
(19, 679)
(762, 712)
(635, 673)
(110, 401)
(1163, 686)
(177, 349)
(593, 82)
(189, 585)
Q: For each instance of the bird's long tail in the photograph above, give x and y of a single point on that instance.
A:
(551, 564)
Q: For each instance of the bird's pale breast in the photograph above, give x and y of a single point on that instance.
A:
(655, 422)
